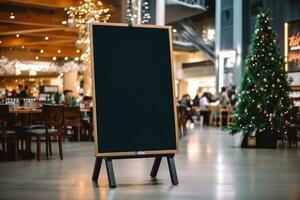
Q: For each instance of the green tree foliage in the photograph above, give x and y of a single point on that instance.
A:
(264, 101)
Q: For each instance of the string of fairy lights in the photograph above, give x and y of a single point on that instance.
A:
(80, 17)
(138, 11)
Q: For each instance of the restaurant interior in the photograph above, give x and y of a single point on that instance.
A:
(46, 104)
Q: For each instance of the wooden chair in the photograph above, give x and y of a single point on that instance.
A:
(182, 117)
(91, 124)
(72, 119)
(215, 116)
(7, 136)
(227, 116)
(54, 120)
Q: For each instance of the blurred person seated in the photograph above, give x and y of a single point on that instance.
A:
(67, 97)
(187, 102)
(87, 102)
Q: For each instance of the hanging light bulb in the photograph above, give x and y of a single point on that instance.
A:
(80, 16)
(12, 16)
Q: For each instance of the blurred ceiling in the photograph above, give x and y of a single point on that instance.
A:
(37, 25)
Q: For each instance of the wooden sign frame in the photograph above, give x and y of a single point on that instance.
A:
(95, 106)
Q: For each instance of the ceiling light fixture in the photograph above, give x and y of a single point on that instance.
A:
(46, 38)
(12, 16)
(64, 22)
(58, 51)
(66, 58)
(17, 35)
(42, 51)
(36, 57)
(54, 58)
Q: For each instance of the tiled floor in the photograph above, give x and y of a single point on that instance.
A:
(210, 165)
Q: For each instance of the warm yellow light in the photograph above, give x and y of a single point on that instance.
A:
(42, 51)
(58, 51)
(12, 16)
(76, 59)
(54, 58)
(46, 38)
(23, 47)
(36, 57)
(64, 22)
(0, 42)
(79, 16)
(66, 58)
(286, 30)
(17, 35)
(174, 30)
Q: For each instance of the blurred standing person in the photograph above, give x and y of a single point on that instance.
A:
(204, 105)
(20, 89)
(224, 100)
(23, 91)
(232, 95)
(196, 100)
(13, 94)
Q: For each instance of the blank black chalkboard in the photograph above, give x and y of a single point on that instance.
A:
(133, 90)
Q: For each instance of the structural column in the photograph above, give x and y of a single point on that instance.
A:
(160, 14)
(218, 42)
(238, 40)
(70, 81)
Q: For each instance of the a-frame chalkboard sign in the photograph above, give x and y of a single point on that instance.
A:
(133, 95)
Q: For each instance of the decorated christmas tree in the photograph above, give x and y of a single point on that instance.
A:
(265, 106)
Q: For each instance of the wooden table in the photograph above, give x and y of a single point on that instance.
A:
(25, 115)
(85, 109)
(25, 111)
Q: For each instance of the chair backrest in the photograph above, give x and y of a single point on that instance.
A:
(182, 114)
(4, 110)
(72, 113)
(91, 115)
(54, 115)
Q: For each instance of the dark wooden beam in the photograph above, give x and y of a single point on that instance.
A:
(46, 3)
(12, 41)
(35, 17)
(14, 29)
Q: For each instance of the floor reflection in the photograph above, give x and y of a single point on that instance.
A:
(208, 167)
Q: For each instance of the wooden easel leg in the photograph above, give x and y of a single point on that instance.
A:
(110, 173)
(97, 168)
(155, 166)
(172, 169)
